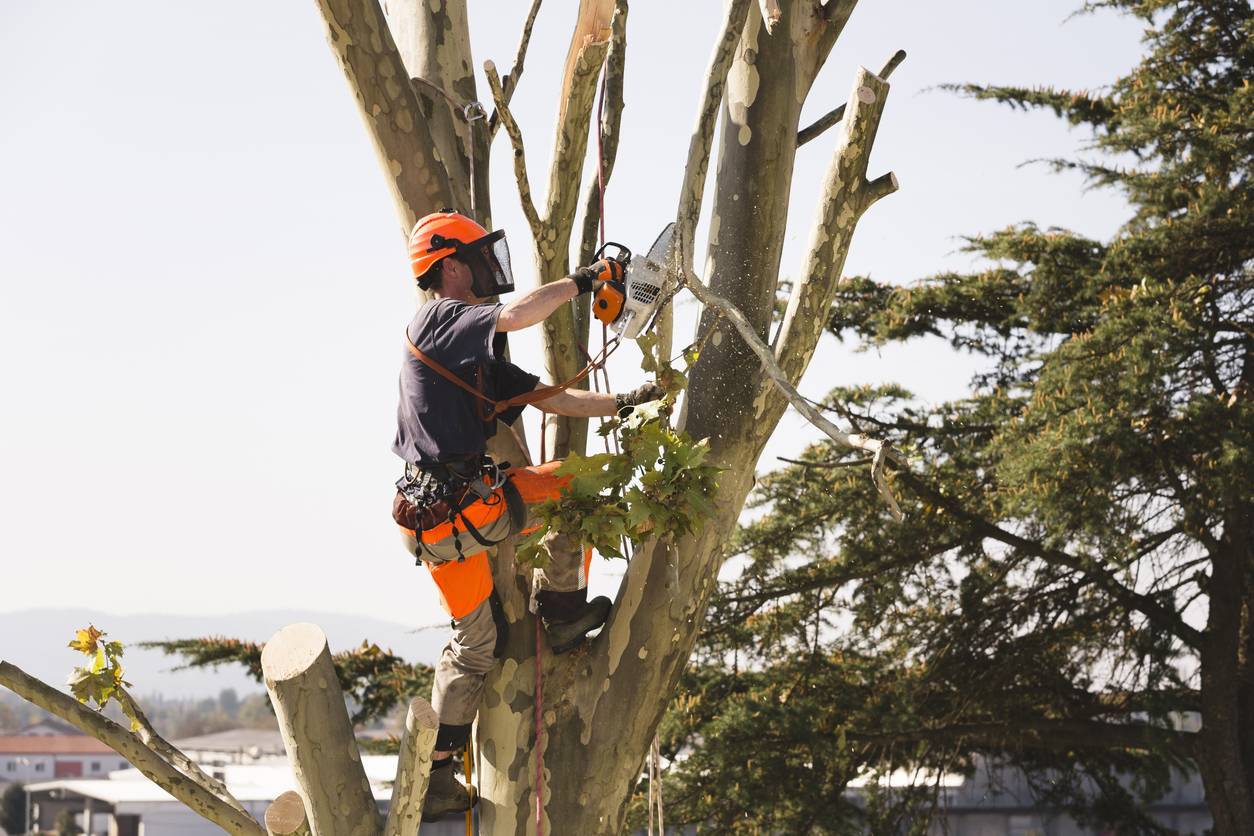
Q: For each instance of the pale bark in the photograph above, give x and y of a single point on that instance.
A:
(433, 40)
(766, 88)
(692, 189)
(309, 706)
(413, 769)
(881, 452)
(359, 36)
(846, 196)
(157, 769)
(163, 748)
(537, 225)
(563, 359)
(835, 116)
(286, 816)
(609, 121)
(603, 702)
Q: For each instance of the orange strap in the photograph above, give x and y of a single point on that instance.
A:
(525, 398)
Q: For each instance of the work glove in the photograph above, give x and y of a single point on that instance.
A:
(644, 393)
(602, 270)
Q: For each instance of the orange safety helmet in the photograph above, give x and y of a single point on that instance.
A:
(445, 233)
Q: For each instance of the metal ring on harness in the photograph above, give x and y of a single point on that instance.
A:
(514, 507)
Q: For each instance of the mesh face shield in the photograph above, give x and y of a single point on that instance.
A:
(488, 259)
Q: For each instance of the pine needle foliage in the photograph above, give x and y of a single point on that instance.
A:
(1072, 591)
(373, 679)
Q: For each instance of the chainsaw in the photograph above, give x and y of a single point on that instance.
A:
(633, 286)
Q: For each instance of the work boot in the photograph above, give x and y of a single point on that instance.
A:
(568, 617)
(446, 795)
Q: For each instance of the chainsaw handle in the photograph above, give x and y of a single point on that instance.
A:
(608, 270)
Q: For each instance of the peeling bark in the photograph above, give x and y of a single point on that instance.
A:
(359, 37)
(413, 769)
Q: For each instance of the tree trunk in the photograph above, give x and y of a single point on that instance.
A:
(601, 704)
(1226, 761)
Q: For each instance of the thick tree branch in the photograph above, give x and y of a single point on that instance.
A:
(413, 769)
(511, 78)
(359, 36)
(1164, 617)
(156, 768)
(433, 40)
(286, 816)
(589, 44)
(615, 67)
(832, 117)
(692, 189)
(846, 195)
(880, 450)
(520, 157)
(321, 749)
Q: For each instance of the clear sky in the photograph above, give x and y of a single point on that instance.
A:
(203, 282)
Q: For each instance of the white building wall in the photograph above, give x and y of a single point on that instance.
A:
(26, 769)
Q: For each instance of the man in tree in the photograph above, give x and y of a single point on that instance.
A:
(454, 503)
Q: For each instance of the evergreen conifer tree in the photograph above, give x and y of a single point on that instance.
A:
(1073, 590)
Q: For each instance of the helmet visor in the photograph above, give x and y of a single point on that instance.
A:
(488, 259)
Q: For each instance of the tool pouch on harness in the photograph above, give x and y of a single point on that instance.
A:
(457, 510)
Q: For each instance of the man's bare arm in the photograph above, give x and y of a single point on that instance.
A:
(535, 305)
(578, 403)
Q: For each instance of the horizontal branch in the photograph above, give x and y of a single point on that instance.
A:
(1165, 618)
(152, 765)
(833, 117)
(880, 450)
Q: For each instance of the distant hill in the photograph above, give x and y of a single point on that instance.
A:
(35, 640)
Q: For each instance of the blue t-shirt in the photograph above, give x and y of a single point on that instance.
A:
(436, 420)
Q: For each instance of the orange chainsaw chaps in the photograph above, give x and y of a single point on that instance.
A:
(466, 584)
(463, 586)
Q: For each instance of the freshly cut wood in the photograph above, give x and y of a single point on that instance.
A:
(286, 816)
(319, 738)
(413, 769)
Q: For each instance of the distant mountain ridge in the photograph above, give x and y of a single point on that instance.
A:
(35, 640)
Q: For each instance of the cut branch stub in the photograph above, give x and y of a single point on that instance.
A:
(321, 748)
(834, 116)
(413, 769)
(846, 196)
(286, 816)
